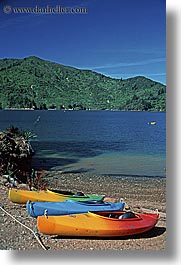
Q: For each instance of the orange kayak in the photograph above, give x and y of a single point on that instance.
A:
(22, 196)
(101, 224)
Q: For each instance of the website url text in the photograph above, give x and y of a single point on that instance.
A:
(45, 10)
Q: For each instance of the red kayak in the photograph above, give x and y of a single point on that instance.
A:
(99, 224)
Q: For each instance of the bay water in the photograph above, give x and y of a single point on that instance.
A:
(117, 143)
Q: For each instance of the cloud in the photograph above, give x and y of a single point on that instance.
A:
(122, 64)
(136, 74)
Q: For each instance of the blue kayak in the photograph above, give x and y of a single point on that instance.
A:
(70, 207)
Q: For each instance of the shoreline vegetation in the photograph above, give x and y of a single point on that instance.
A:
(16, 154)
(80, 110)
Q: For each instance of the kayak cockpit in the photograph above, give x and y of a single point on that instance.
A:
(116, 215)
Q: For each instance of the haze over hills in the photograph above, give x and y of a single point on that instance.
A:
(35, 83)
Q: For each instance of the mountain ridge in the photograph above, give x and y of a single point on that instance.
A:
(40, 84)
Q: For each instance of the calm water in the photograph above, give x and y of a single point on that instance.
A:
(95, 142)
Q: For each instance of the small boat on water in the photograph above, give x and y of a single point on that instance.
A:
(152, 122)
(22, 196)
(70, 207)
(99, 224)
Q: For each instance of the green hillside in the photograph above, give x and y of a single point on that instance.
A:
(36, 83)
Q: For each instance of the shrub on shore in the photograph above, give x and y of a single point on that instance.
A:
(15, 153)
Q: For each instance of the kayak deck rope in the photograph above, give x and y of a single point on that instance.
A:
(37, 236)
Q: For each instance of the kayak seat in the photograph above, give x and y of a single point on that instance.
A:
(95, 202)
(79, 193)
(123, 216)
(63, 192)
(127, 215)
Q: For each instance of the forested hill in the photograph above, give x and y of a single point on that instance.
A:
(39, 84)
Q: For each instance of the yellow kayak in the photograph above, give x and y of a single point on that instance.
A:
(22, 196)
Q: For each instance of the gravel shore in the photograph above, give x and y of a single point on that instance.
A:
(142, 194)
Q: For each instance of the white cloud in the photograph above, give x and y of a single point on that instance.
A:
(122, 64)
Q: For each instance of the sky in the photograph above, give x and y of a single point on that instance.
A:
(117, 38)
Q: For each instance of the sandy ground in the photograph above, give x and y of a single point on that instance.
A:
(141, 194)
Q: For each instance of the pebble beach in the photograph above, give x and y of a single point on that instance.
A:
(142, 194)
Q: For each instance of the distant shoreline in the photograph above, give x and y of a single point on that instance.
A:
(28, 109)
